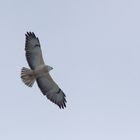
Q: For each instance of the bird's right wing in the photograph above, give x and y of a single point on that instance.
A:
(51, 90)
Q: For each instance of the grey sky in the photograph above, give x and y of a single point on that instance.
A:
(94, 47)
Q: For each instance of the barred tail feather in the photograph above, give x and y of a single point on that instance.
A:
(27, 76)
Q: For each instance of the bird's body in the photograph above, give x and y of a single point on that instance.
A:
(42, 70)
(39, 72)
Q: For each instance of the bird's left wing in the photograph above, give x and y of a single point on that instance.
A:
(33, 50)
(51, 90)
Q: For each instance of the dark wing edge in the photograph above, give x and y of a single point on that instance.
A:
(62, 102)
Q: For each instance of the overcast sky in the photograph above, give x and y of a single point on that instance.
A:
(94, 48)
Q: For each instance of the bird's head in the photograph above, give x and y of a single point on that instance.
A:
(49, 68)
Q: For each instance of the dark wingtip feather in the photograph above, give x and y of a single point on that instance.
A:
(62, 105)
(30, 34)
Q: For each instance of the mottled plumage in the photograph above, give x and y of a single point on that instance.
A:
(39, 72)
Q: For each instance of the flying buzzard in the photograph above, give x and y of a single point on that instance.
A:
(39, 72)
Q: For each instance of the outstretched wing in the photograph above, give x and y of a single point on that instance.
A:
(51, 90)
(33, 50)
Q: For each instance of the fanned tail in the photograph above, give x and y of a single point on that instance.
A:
(27, 76)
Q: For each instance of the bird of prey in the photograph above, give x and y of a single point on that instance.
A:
(39, 72)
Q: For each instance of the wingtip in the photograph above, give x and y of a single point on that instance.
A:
(63, 105)
(30, 34)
